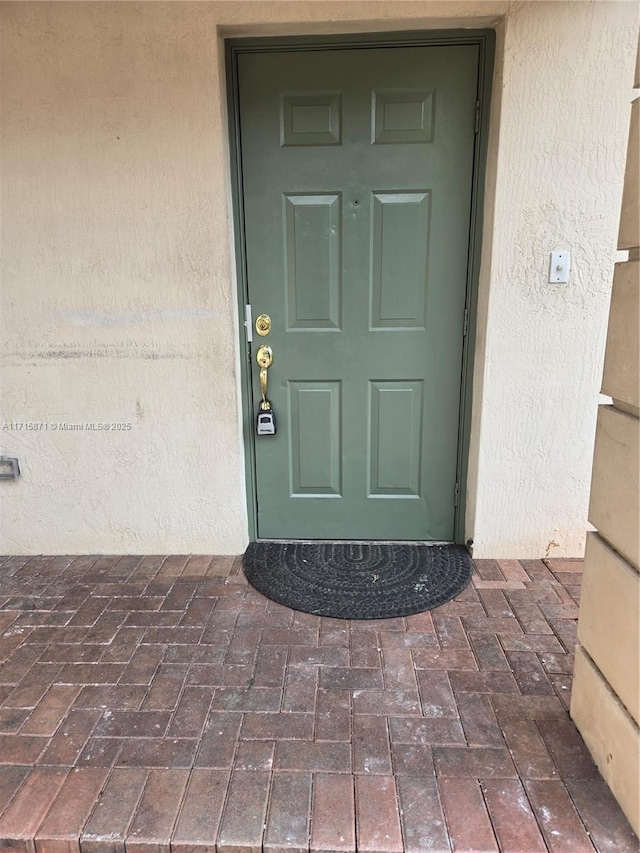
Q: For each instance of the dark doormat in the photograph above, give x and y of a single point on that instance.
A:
(348, 580)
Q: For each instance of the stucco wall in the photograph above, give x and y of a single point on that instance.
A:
(118, 293)
(560, 165)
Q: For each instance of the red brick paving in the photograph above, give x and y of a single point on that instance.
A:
(165, 705)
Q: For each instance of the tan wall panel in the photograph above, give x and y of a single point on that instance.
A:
(609, 624)
(622, 359)
(610, 734)
(629, 234)
(614, 491)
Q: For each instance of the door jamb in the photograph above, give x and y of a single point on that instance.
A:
(485, 40)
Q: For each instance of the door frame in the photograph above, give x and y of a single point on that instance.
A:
(234, 48)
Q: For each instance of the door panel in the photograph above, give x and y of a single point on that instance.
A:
(399, 255)
(314, 429)
(313, 231)
(395, 446)
(357, 176)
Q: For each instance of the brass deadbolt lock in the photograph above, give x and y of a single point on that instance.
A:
(263, 325)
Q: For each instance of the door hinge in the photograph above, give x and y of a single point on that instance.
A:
(477, 116)
(456, 495)
(465, 327)
(248, 322)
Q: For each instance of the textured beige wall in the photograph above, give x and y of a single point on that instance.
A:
(117, 301)
(118, 293)
(566, 84)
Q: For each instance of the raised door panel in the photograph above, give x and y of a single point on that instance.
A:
(399, 259)
(395, 439)
(310, 118)
(312, 229)
(315, 459)
(402, 116)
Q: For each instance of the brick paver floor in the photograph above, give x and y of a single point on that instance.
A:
(164, 704)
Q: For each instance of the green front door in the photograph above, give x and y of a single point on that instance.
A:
(357, 179)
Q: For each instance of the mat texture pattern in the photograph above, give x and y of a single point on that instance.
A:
(349, 580)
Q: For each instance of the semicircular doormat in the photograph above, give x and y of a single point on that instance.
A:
(348, 580)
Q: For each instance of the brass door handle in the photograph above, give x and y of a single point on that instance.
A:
(264, 357)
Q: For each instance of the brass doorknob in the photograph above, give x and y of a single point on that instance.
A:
(264, 356)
